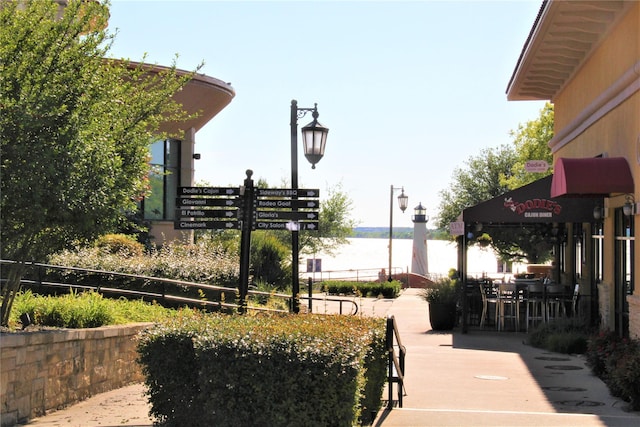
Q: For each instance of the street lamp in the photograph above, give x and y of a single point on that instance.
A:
(403, 201)
(314, 139)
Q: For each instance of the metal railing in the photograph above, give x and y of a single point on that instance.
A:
(396, 361)
(38, 278)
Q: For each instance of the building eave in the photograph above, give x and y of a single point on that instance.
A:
(564, 35)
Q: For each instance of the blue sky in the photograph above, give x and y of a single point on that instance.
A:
(409, 89)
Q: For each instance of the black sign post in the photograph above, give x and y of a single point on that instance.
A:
(245, 239)
(248, 208)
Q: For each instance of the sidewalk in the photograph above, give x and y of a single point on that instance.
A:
(483, 378)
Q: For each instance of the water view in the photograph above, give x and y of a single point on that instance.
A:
(365, 258)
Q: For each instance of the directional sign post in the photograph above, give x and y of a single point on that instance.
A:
(247, 208)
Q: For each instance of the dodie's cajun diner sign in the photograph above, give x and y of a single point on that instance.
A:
(534, 208)
(532, 203)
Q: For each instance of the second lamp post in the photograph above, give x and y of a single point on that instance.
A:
(403, 201)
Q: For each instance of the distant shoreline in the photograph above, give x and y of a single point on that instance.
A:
(398, 233)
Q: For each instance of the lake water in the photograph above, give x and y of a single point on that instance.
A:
(367, 257)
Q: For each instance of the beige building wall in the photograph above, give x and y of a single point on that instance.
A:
(598, 113)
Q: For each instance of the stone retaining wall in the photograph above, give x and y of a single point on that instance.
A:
(47, 370)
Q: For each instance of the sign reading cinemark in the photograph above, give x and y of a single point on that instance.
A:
(207, 225)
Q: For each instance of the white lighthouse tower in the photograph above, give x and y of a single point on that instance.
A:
(419, 262)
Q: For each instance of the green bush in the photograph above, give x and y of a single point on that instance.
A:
(119, 244)
(569, 336)
(443, 291)
(268, 260)
(616, 361)
(265, 370)
(364, 289)
(82, 310)
(204, 263)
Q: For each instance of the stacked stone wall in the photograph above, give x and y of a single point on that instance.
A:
(41, 371)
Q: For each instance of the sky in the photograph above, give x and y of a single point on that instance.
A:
(409, 90)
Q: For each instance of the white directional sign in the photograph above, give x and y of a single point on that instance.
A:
(207, 225)
(287, 192)
(291, 226)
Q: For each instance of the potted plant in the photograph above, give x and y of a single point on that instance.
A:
(442, 297)
(484, 240)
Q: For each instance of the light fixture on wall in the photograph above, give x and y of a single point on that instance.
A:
(600, 213)
(629, 207)
(196, 156)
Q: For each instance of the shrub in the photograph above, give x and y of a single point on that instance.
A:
(294, 370)
(616, 361)
(268, 260)
(119, 244)
(364, 289)
(561, 336)
(82, 310)
(625, 374)
(600, 349)
(201, 263)
(443, 291)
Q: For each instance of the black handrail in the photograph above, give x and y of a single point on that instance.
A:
(161, 296)
(396, 361)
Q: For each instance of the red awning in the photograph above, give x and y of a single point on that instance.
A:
(591, 177)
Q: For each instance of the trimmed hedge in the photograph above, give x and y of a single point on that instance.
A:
(365, 289)
(265, 370)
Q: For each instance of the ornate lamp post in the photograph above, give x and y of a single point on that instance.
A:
(314, 139)
(403, 201)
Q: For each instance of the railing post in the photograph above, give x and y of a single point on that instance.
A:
(310, 295)
(389, 342)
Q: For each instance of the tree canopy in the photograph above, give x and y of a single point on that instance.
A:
(496, 171)
(75, 127)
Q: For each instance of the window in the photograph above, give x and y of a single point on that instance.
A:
(624, 248)
(164, 179)
(598, 244)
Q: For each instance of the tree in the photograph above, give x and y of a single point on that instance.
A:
(531, 142)
(336, 224)
(483, 178)
(496, 171)
(75, 130)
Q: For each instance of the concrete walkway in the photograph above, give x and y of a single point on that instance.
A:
(483, 378)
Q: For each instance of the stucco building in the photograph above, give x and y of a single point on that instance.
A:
(584, 57)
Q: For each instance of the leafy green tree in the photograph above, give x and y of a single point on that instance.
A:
(336, 224)
(531, 142)
(496, 171)
(75, 130)
(483, 178)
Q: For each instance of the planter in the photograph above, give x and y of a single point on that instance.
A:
(442, 316)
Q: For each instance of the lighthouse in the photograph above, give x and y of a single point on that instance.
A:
(419, 262)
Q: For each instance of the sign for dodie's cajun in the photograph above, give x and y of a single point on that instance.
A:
(532, 203)
(534, 208)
